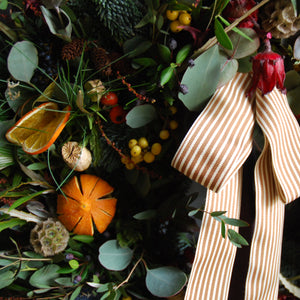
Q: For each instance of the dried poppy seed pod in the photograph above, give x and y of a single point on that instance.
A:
(95, 89)
(49, 237)
(76, 157)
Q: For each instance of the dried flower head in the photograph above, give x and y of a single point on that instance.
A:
(76, 157)
(268, 70)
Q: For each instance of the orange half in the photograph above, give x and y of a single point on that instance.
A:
(86, 200)
(37, 130)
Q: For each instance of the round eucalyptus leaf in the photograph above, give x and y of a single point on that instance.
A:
(44, 277)
(229, 68)
(165, 281)
(113, 257)
(141, 115)
(7, 278)
(22, 60)
(200, 88)
(243, 47)
(297, 48)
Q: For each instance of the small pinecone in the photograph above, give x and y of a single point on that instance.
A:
(279, 19)
(73, 49)
(101, 60)
(49, 237)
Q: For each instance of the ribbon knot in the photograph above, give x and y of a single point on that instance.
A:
(213, 153)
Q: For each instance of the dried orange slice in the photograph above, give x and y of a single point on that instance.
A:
(37, 130)
(86, 199)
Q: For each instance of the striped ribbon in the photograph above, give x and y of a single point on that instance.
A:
(213, 153)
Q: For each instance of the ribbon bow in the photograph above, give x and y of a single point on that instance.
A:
(212, 153)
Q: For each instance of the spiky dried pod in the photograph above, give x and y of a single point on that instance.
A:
(49, 237)
(76, 157)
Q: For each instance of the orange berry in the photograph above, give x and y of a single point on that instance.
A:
(172, 14)
(174, 26)
(136, 150)
(149, 157)
(143, 142)
(132, 143)
(173, 124)
(164, 134)
(185, 19)
(156, 148)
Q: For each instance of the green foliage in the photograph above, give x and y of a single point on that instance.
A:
(120, 16)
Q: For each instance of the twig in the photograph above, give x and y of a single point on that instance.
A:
(130, 273)
(211, 42)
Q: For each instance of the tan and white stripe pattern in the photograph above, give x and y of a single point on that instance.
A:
(212, 153)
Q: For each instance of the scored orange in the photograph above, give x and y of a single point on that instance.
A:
(37, 130)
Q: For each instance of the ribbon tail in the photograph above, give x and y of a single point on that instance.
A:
(277, 181)
(212, 268)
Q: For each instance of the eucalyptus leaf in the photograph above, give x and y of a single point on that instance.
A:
(7, 278)
(44, 277)
(235, 222)
(165, 281)
(242, 47)
(218, 213)
(76, 292)
(223, 229)
(64, 281)
(60, 30)
(236, 239)
(245, 64)
(222, 36)
(113, 257)
(51, 3)
(297, 48)
(229, 68)
(22, 60)
(207, 65)
(141, 115)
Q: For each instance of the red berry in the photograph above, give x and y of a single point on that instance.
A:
(117, 114)
(110, 98)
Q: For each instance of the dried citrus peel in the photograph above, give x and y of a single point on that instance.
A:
(86, 200)
(37, 130)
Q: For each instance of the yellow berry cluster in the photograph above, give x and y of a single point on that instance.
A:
(178, 18)
(140, 150)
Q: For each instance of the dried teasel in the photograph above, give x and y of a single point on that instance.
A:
(76, 157)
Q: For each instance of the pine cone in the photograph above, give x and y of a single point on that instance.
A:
(279, 19)
(73, 49)
(49, 237)
(101, 60)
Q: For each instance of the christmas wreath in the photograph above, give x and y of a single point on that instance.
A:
(96, 97)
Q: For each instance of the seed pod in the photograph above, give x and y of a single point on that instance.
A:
(49, 237)
(76, 157)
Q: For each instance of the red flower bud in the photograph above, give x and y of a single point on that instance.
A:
(268, 71)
